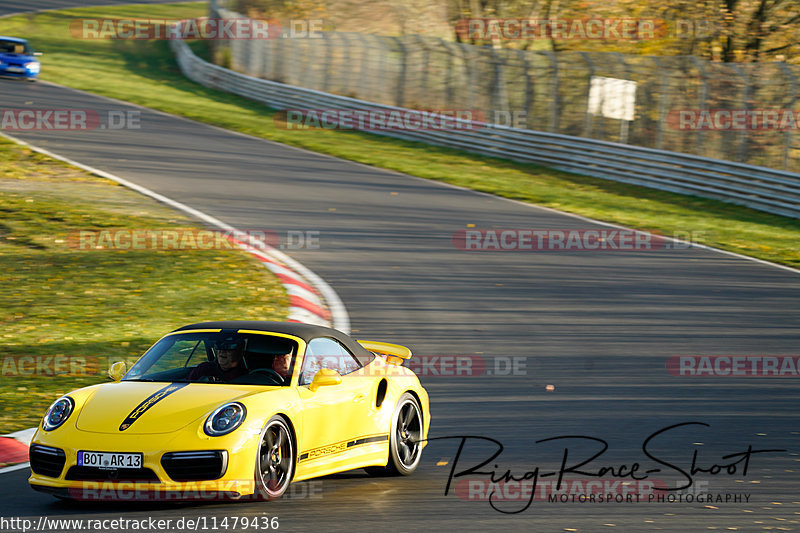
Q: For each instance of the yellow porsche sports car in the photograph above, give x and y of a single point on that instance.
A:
(234, 409)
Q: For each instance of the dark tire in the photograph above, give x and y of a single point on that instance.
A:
(405, 450)
(275, 460)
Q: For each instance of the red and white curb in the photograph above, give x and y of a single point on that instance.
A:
(305, 302)
(14, 449)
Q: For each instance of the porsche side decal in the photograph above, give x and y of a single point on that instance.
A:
(148, 403)
(340, 447)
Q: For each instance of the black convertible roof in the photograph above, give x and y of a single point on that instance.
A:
(304, 331)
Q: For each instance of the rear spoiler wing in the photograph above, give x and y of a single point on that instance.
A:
(393, 353)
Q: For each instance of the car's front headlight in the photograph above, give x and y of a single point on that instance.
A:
(225, 419)
(33, 67)
(58, 413)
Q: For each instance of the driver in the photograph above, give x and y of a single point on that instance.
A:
(228, 365)
(281, 364)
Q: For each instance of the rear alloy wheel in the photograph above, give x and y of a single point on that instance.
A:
(405, 448)
(275, 459)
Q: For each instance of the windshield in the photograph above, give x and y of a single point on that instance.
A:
(249, 359)
(13, 47)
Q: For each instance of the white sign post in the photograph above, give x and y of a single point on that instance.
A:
(613, 98)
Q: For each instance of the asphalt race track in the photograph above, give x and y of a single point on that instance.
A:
(599, 326)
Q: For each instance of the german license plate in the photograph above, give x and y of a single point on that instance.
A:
(15, 69)
(110, 460)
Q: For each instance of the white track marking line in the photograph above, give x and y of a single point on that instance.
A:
(12, 468)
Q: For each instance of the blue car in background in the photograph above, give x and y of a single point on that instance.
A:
(17, 59)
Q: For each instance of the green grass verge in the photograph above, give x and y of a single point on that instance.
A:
(145, 73)
(67, 312)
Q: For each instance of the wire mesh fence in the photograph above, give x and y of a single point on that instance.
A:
(743, 112)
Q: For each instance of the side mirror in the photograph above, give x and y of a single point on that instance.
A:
(325, 377)
(117, 370)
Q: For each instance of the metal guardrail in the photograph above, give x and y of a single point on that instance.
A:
(677, 103)
(765, 189)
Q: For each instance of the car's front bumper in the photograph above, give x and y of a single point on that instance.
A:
(26, 74)
(236, 481)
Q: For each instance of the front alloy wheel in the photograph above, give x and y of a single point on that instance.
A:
(275, 460)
